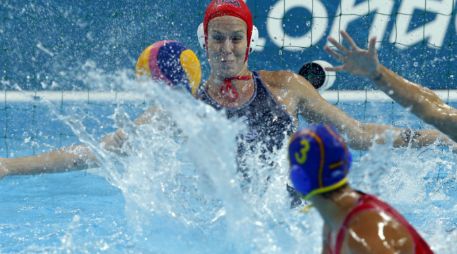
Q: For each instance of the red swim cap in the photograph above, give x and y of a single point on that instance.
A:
(235, 8)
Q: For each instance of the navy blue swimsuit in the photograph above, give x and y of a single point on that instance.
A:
(267, 121)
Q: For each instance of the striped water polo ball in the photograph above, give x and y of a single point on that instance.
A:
(171, 62)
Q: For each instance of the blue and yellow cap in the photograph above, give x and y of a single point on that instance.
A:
(319, 160)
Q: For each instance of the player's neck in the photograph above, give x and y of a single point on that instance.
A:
(335, 209)
(218, 80)
(233, 91)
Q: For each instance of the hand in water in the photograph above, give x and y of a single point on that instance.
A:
(116, 142)
(354, 60)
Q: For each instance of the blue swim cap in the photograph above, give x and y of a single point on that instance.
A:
(319, 160)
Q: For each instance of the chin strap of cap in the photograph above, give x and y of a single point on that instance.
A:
(228, 90)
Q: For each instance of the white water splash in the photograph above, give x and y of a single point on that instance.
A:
(183, 192)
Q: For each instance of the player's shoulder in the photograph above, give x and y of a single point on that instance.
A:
(277, 79)
(366, 228)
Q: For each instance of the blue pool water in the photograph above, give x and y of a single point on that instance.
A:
(176, 196)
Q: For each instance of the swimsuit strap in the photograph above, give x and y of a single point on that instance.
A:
(229, 90)
(261, 89)
(362, 206)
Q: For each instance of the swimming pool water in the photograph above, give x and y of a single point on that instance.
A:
(164, 205)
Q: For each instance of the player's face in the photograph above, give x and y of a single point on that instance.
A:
(227, 42)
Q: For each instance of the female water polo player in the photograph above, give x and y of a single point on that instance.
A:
(422, 101)
(271, 100)
(354, 222)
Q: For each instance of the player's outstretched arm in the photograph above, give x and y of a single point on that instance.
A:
(69, 158)
(301, 97)
(422, 102)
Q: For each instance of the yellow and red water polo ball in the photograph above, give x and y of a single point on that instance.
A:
(172, 62)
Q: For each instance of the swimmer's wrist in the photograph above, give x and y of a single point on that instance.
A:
(376, 75)
(405, 135)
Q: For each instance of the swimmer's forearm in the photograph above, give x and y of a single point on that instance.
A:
(66, 159)
(408, 94)
(115, 142)
(423, 138)
(147, 116)
(422, 102)
(406, 137)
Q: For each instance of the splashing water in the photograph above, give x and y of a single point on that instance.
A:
(181, 185)
(183, 192)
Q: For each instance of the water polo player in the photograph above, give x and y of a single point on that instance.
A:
(169, 62)
(421, 101)
(271, 100)
(354, 222)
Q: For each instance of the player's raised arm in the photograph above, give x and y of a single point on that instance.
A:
(422, 101)
(302, 98)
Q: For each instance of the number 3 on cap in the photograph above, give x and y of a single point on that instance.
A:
(302, 156)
